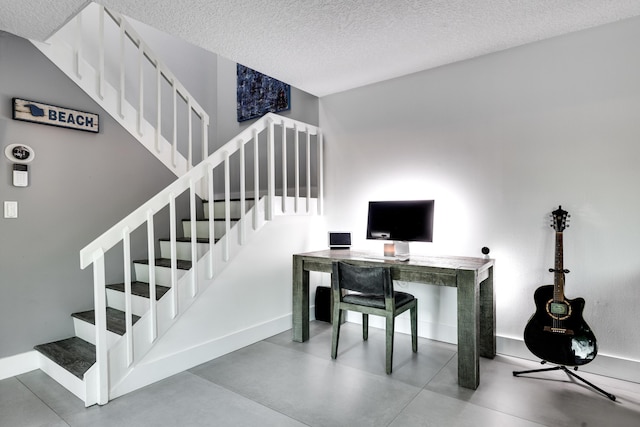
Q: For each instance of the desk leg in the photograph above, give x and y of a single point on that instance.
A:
(487, 318)
(468, 330)
(300, 301)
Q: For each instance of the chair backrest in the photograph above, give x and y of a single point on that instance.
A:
(367, 280)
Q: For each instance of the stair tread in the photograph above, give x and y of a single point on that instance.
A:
(140, 289)
(187, 239)
(73, 354)
(115, 319)
(207, 220)
(166, 262)
(233, 199)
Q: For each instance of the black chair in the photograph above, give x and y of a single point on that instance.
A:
(374, 295)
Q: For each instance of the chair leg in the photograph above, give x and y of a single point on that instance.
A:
(414, 327)
(389, 341)
(365, 326)
(336, 332)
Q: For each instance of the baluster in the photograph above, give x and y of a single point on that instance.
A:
(101, 52)
(121, 99)
(256, 180)
(151, 250)
(271, 174)
(296, 153)
(308, 170)
(212, 219)
(126, 249)
(190, 136)
(174, 256)
(205, 135)
(205, 148)
(284, 167)
(194, 238)
(227, 206)
(158, 107)
(77, 51)
(320, 166)
(174, 141)
(140, 86)
(243, 205)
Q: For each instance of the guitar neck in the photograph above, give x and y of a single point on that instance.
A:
(558, 282)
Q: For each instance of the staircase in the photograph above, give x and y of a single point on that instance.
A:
(77, 355)
(250, 180)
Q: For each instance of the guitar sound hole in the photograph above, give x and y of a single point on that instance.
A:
(558, 310)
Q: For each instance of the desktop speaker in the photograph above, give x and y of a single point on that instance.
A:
(323, 303)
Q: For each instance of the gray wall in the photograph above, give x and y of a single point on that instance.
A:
(499, 142)
(80, 186)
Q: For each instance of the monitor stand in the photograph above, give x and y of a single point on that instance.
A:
(402, 250)
(397, 250)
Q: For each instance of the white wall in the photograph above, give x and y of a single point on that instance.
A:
(499, 142)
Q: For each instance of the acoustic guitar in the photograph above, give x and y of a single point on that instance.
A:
(556, 332)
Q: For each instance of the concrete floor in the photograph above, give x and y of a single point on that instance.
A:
(277, 382)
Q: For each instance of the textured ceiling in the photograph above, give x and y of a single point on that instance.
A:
(328, 46)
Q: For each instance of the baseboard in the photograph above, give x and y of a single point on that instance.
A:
(152, 371)
(604, 364)
(18, 364)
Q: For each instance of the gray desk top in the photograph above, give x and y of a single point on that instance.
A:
(448, 262)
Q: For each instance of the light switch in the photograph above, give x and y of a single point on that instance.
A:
(10, 209)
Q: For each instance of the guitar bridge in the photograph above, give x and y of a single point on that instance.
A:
(562, 331)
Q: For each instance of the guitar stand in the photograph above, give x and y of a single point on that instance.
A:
(564, 368)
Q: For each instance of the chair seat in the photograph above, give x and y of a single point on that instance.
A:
(377, 301)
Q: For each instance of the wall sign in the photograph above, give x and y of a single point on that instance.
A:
(37, 112)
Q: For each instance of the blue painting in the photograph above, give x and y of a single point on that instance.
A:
(259, 94)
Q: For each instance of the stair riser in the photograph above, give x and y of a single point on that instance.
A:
(202, 228)
(163, 274)
(69, 381)
(139, 305)
(218, 208)
(183, 250)
(87, 331)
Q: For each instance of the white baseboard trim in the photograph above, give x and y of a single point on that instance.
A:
(19, 364)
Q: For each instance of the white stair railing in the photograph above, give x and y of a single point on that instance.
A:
(103, 53)
(234, 180)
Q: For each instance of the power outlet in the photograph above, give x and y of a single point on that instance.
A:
(10, 209)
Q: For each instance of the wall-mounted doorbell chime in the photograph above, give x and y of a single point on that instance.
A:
(20, 155)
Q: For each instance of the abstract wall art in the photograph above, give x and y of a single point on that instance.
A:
(258, 94)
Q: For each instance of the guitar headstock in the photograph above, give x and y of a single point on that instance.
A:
(559, 219)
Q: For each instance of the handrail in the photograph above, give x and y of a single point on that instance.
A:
(94, 252)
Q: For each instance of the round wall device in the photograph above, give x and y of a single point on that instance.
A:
(19, 153)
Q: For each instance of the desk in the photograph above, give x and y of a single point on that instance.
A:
(473, 278)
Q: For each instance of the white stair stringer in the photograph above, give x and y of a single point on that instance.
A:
(61, 54)
(124, 378)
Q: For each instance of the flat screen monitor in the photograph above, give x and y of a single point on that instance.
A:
(405, 220)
